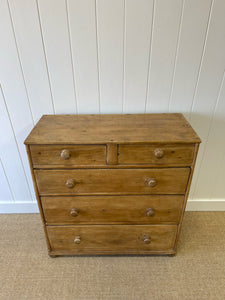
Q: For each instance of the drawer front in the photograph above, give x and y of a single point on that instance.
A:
(112, 181)
(112, 209)
(168, 155)
(66, 155)
(110, 239)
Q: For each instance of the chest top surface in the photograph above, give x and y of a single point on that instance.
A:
(102, 129)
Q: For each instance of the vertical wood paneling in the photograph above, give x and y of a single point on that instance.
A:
(219, 188)
(54, 23)
(212, 163)
(192, 37)
(112, 56)
(12, 81)
(82, 24)
(5, 193)
(27, 31)
(110, 26)
(217, 136)
(166, 27)
(10, 156)
(138, 26)
(210, 78)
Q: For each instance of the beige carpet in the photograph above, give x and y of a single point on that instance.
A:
(196, 272)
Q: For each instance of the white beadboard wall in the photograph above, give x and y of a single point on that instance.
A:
(112, 56)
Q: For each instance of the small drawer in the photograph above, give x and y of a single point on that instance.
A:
(112, 239)
(167, 155)
(112, 181)
(149, 209)
(67, 155)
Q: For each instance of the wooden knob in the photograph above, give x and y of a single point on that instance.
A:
(70, 183)
(147, 240)
(74, 212)
(150, 212)
(159, 153)
(77, 240)
(65, 154)
(151, 182)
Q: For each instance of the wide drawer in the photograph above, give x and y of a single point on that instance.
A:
(112, 181)
(67, 155)
(112, 239)
(112, 209)
(168, 155)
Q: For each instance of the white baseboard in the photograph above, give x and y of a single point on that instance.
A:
(32, 207)
(206, 205)
(19, 208)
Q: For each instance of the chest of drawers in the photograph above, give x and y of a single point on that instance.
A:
(112, 184)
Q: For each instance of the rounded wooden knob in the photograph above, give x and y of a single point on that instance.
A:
(159, 153)
(65, 154)
(151, 182)
(147, 240)
(150, 212)
(77, 240)
(74, 212)
(70, 183)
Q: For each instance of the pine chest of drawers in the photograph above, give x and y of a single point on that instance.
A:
(112, 184)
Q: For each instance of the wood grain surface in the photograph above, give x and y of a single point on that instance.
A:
(112, 184)
(112, 181)
(112, 209)
(101, 129)
(79, 155)
(171, 155)
(112, 239)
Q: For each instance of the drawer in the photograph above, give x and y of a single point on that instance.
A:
(112, 239)
(168, 155)
(112, 181)
(112, 209)
(67, 155)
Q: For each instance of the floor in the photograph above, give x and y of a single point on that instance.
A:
(196, 272)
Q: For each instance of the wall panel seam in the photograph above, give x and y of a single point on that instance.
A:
(46, 63)
(71, 54)
(124, 53)
(20, 62)
(150, 53)
(17, 146)
(221, 166)
(10, 189)
(176, 54)
(207, 138)
(201, 60)
(98, 66)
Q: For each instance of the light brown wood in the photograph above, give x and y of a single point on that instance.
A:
(170, 155)
(104, 129)
(51, 155)
(112, 184)
(38, 198)
(112, 181)
(136, 166)
(112, 209)
(112, 238)
(112, 154)
(167, 252)
(186, 195)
